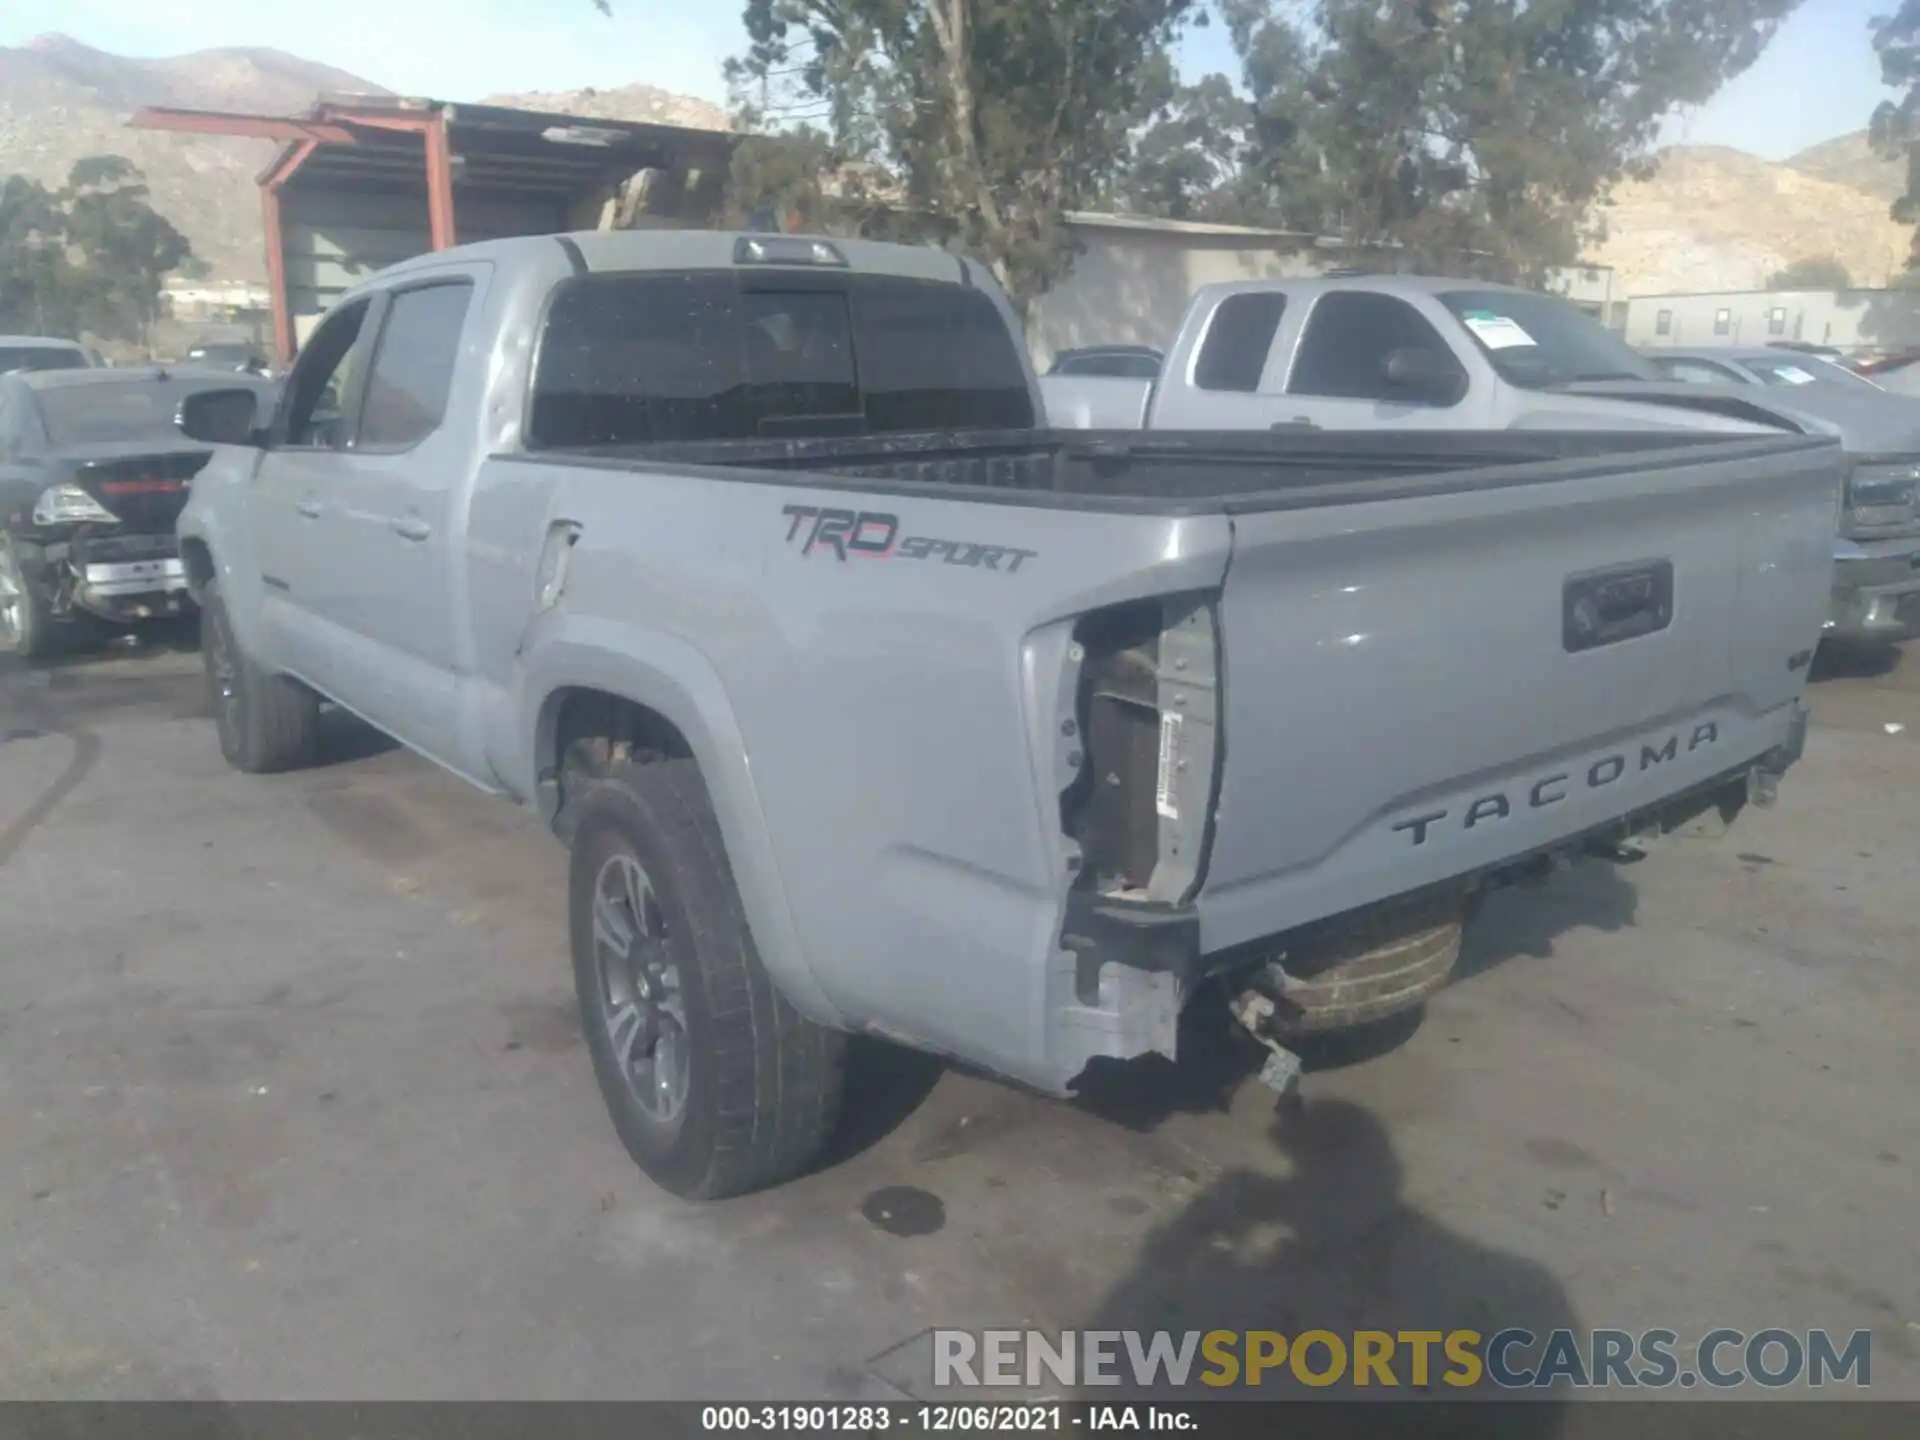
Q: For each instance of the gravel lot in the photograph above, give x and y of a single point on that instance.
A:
(293, 1104)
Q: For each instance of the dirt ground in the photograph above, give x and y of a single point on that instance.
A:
(293, 1104)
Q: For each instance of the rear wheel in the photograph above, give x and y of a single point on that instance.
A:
(715, 1083)
(266, 722)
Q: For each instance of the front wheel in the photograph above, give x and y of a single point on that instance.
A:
(266, 722)
(715, 1083)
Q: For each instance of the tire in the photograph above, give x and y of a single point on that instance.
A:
(266, 722)
(27, 626)
(741, 1090)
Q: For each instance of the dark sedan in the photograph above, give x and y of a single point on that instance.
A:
(93, 475)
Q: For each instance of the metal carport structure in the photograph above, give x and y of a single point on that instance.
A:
(364, 182)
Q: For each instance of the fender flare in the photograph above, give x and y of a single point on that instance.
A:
(673, 679)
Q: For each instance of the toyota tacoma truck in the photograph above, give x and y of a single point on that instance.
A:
(868, 704)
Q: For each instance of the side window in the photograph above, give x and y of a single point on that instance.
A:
(1238, 339)
(321, 386)
(1350, 335)
(413, 366)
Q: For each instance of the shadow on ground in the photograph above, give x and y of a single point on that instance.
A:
(1836, 660)
(1333, 1245)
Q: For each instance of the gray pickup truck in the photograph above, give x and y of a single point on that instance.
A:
(1876, 571)
(1390, 352)
(866, 705)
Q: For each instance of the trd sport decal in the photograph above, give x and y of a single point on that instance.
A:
(876, 535)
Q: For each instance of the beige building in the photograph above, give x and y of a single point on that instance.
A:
(1853, 321)
(1135, 274)
(1132, 280)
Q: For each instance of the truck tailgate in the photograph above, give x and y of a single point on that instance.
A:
(1419, 687)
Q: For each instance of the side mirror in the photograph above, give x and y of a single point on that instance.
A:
(220, 417)
(1423, 375)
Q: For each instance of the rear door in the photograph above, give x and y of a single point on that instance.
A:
(1418, 687)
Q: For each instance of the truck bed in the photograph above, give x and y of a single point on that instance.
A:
(1186, 472)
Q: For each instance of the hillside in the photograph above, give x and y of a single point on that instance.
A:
(1710, 218)
(628, 102)
(61, 100)
(1848, 160)
(1713, 218)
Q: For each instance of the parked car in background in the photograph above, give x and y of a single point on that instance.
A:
(93, 474)
(1876, 582)
(1754, 365)
(227, 355)
(1803, 347)
(40, 352)
(1386, 352)
(1899, 373)
(688, 540)
(1138, 362)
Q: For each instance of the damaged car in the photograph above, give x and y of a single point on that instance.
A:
(93, 474)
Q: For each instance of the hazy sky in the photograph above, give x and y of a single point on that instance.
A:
(1818, 79)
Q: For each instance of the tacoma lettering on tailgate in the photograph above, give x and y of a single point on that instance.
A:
(1552, 789)
(876, 535)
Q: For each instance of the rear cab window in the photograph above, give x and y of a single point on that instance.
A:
(712, 355)
(43, 357)
(133, 409)
(1239, 337)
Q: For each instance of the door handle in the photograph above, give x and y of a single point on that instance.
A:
(307, 509)
(410, 527)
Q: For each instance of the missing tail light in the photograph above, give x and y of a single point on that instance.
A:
(1141, 804)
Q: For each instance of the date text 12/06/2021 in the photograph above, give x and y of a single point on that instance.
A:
(915, 1419)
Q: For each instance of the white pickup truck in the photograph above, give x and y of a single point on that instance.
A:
(1393, 352)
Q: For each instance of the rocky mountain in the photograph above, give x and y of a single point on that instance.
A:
(61, 101)
(1713, 218)
(1710, 218)
(1849, 160)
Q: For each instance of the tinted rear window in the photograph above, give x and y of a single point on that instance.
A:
(41, 357)
(131, 410)
(631, 359)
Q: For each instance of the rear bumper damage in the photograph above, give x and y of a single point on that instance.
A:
(1136, 965)
(122, 579)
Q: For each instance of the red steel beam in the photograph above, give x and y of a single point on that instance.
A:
(440, 222)
(278, 299)
(222, 122)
